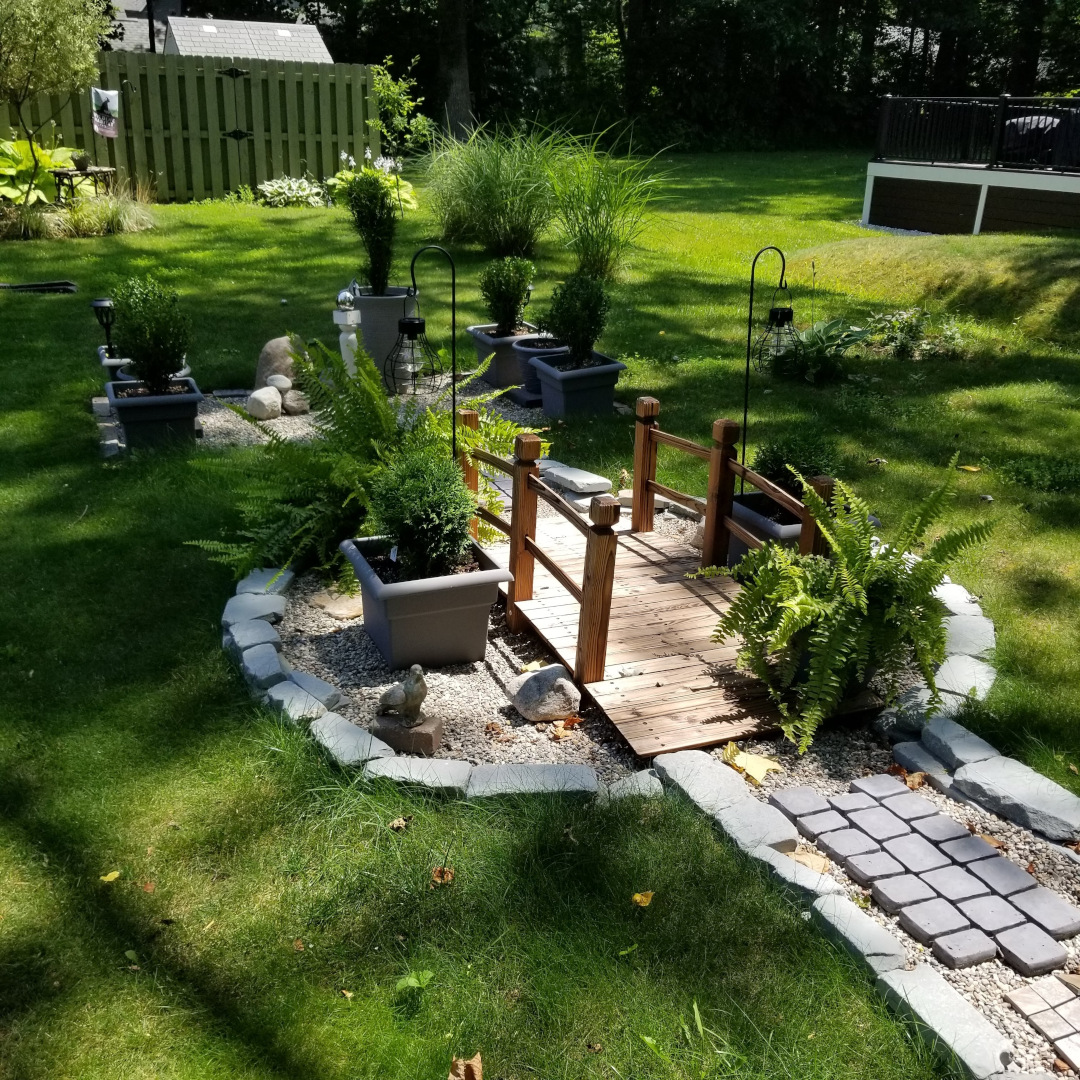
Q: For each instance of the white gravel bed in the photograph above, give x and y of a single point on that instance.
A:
(843, 754)
(222, 427)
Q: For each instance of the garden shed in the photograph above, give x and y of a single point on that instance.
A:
(249, 40)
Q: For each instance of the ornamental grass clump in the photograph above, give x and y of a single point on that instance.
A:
(370, 197)
(506, 285)
(577, 316)
(152, 330)
(814, 628)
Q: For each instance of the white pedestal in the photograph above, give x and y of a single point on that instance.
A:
(347, 322)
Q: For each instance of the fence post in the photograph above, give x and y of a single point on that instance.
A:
(810, 536)
(469, 418)
(999, 130)
(883, 132)
(644, 502)
(522, 524)
(721, 493)
(596, 584)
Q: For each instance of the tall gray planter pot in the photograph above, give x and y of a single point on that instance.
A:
(433, 621)
(508, 367)
(152, 420)
(758, 512)
(578, 390)
(379, 320)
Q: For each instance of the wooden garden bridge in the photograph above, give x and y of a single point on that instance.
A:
(612, 598)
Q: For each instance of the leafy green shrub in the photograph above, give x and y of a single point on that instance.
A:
(403, 128)
(291, 191)
(421, 501)
(17, 168)
(151, 329)
(577, 315)
(795, 453)
(818, 357)
(495, 187)
(947, 343)
(900, 331)
(369, 195)
(505, 285)
(813, 628)
(1043, 472)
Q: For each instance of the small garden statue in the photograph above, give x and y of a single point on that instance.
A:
(404, 699)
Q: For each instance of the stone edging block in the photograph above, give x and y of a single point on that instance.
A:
(530, 779)
(868, 942)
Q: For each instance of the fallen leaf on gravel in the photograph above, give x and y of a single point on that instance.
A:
(298, 945)
(473, 1069)
(532, 665)
(753, 766)
(1030, 868)
(1060, 1066)
(347, 994)
(572, 721)
(400, 824)
(915, 780)
(493, 728)
(112, 875)
(149, 887)
(441, 875)
(897, 770)
(558, 731)
(993, 841)
(862, 901)
(642, 899)
(811, 859)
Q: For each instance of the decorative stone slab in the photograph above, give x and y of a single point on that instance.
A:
(1026, 1001)
(1030, 950)
(813, 825)
(957, 600)
(261, 666)
(643, 785)
(969, 635)
(1006, 787)
(1069, 1050)
(701, 778)
(546, 464)
(851, 801)
(968, 849)
(953, 745)
(422, 738)
(1054, 992)
(912, 708)
(797, 802)
(752, 824)
(843, 844)
(294, 703)
(893, 893)
(1003, 876)
(917, 854)
(508, 779)
(318, 688)
(991, 914)
(1051, 1025)
(271, 581)
(881, 786)
(964, 949)
(441, 775)
(1069, 1011)
(246, 635)
(940, 828)
(944, 1017)
(965, 676)
(249, 606)
(584, 483)
(910, 807)
(1057, 917)
(866, 869)
(866, 940)
(798, 881)
(879, 824)
(914, 757)
(932, 919)
(955, 884)
(346, 743)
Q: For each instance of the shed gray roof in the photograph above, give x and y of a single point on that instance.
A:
(253, 40)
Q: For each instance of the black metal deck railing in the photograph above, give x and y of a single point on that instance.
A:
(1004, 132)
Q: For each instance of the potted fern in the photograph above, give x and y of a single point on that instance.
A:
(816, 629)
(506, 286)
(151, 329)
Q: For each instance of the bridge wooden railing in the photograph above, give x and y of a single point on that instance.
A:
(716, 507)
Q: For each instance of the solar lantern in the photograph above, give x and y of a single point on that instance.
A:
(106, 316)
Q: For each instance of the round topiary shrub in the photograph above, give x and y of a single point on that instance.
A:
(151, 330)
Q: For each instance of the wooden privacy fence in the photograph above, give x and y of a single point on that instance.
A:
(196, 127)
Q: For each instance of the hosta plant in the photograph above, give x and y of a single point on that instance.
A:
(814, 628)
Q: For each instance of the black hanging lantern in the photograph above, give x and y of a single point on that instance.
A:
(412, 359)
(106, 316)
(778, 339)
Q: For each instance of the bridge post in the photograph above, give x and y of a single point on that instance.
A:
(644, 503)
(810, 540)
(721, 493)
(596, 585)
(522, 524)
(470, 418)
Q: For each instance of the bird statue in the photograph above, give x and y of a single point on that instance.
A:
(405, 698)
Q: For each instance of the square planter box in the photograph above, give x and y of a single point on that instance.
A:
(431, 621)
(507, 368)
(757, 511)
(578, 390)
(154, 420)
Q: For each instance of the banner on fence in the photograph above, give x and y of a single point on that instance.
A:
(105, 111)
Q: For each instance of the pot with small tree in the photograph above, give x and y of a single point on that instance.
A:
(506, 286)
(579, 379)
(151, 329)
(426, 600)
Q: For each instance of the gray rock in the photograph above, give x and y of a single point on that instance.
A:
(265, 404)
(893, 893)
(506, 779)
(946, 1020)
(915, 853)
(272, 581)
(957, 600)
(879, 824)
(969, 635)
(250, 606)
(913, 707)
(441, 775)
(797, 802)
(813, 825)
(910, 807)
(844, 843)
(1057, 917)
(276, 358)
(626, 499)
(1008, 788)
(319, 689)
(799, 882)
(868, 868)
(645, 785)
(991, 914)
(246, 635)
(880, 786)
(545, 695)
(295, 403)
(968, 848)
(954, 883)
(751, 823)
(1031, 950)
(940, 828)
(701, 778)
(261, 667)
(346, 743)
(964, 676)
(584, 483)
(1002, 875)
(867, 941)
(953, 745)
(931, 919)
(964, 949)
(544, 465)
(293, 703)
(914, 757)
(279, 382)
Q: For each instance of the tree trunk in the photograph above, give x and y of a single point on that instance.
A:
(637, 53)
(454, 65)
(1027, 47)
(150, 22)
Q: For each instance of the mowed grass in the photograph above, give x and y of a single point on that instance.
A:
(127, 743)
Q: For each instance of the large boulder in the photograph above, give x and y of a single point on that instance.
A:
(295, 403)
(545, 695)
(276, 358)
(265, 404)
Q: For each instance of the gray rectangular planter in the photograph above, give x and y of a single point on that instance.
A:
(432, 621)
(578, 390)
(752, 509)
(507, 367)
(155, 419)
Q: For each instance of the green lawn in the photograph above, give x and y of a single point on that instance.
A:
(126, 742)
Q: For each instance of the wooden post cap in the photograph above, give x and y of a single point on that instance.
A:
(470, 418)
(604, 510)
(725, 432)
(647, 408)
(527, 447)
